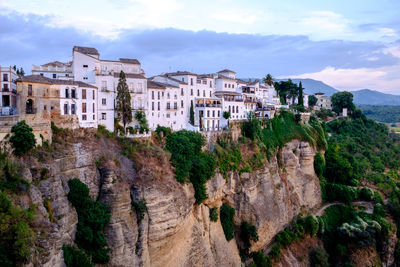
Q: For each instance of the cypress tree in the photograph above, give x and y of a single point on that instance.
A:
(124, 109)
(191, 113)
(300, 101)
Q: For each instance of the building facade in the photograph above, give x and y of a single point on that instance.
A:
(8, 91)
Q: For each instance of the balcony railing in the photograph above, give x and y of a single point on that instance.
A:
(138, 108)
(5, 89)
(8, 111)
(208, 105)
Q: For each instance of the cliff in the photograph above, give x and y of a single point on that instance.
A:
(174, 231)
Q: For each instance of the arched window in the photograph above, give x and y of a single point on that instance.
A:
(67, 92)
(29, 107)
(229, 108)
(237, 109)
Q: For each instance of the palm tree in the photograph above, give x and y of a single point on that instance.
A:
(268, 80)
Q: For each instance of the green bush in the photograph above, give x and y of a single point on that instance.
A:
(338, 192)
(366, 194)
(275, 251)
(74, 257)
(17, 236)
(261, 260)
(227, 214)
(166, 131)
(284, 238)
(319, 257)
(22, 138)
(140, 208)
(251, 128)
(248, 233)
(311, 225)
(11, 175)
(93, 216)
(319, 164)
(214, 214)
(190, 162)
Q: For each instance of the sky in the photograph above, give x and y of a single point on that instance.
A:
(348, 44)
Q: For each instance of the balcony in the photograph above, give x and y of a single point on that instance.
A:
(138, 108)
(104, 89)
(208, 105)
(5, 89)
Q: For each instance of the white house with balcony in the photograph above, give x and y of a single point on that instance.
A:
(8, 91)
(54, 70)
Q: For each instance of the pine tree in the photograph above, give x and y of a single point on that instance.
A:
(300, 101)
(124, 109)
(22, 72)
(191, 113)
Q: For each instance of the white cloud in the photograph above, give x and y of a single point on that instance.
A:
(383, 79)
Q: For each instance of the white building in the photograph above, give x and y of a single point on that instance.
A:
(54, 70)
(8, 91)
(104, 74)
(323, 101)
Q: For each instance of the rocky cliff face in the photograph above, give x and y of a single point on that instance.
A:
(174, 231)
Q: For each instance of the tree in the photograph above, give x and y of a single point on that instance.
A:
(191, 119)
(312, 100)
(124, 109)
(22, 139)
(300, 100)
(342, 100)
(140, 116)
(292, 90)
(226, 115)
(268, 80)
(22, 72)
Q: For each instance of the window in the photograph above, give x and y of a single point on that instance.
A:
(191, 81)
(73, 109)
(5, 87)
(175, 96)
(93, 94)
(66, 75)
(182, 92)
(83, 93)
(85, 78)
(73, 94)
(152, 94)
(93, 106)
(210, 84)
(83, 117)
(181, 103)
(139, 88)
(229, 85)
(104, 101)
(65, 109)
(94, 117)
(237, 109)
(41, 74)
(168, 105)
(103, 116)
(5, 77)
(208, 113)
(54, 75)
(204, 93)
(152, 105)
(66, 93)
(219, 114)
(225, 85)
(191, 91)
(167, 95)
(103, 85)
(210, 93)
(85, 66)
(158, 95)
(83, 107)
(29, 89)
(158, 105)
(175, 105)
(213, 113)
(168, 115)
(198, 92)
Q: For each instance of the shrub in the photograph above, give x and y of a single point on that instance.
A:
(284, 238)
(214, 214)
(275, 251)
(22, 139)
(338, 192)
(248, 233)
(93, 216)
(260, 260)
(311, 225)
(366, 194)
(251, 128)
(227, 214)
(319, 164)
(140, 208)
(10, 175)
(74, 257)
(319, 257)
(166, 131)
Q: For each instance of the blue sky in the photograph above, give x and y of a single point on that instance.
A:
(347, 44)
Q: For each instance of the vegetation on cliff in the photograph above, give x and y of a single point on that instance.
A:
(93, 216)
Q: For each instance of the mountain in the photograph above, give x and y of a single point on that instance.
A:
(371, 97)
(313, 86)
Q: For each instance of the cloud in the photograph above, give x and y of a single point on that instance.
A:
(28, 40)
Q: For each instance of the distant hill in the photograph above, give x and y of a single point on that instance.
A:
(371, 97)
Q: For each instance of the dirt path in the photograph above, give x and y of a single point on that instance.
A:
(368, 205)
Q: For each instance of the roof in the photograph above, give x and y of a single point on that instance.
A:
(253, 83)
(42, 79)
(130, 75)
(208, 76)
(155, 85)
(226, 70)
(57, 64)
(319, 93)
(240, 81)
(129, 60)
(179, 73)
(173, 79)
(225, 77)
(86, 50)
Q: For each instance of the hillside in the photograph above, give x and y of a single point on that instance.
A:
(313, 86)
(387, 114)
(371, 97)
